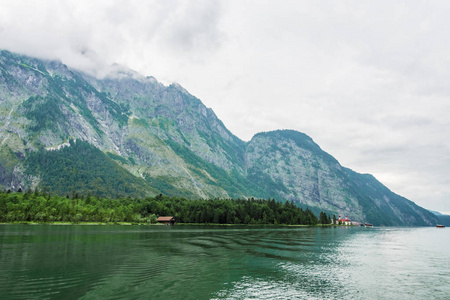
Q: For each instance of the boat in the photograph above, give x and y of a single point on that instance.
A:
(440, 226)
(368, 225)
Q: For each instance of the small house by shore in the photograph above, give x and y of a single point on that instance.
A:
(344, 221)
(167, 220)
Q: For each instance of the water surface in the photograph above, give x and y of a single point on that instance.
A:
(187, 262)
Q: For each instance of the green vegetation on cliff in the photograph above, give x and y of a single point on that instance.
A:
(83, 168)
(232, 182)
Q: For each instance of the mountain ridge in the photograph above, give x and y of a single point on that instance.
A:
(166, 137)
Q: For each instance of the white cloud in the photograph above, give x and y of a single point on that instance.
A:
(368, 80)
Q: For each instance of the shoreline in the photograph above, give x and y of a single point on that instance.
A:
(159, 224)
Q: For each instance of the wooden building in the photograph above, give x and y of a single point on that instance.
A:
(169, 220)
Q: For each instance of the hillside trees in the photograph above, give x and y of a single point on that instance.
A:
(83, 168)
(42, 207)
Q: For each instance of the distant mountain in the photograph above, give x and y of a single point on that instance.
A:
(129, 135)
(443, 219)
(436, 213)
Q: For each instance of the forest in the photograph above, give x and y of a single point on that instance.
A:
(41, 207)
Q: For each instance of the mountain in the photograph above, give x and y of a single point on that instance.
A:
(436, 213)
(443, 219)
(129, 135)
(297, 169)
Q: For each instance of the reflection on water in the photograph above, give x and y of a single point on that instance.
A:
(186, 262)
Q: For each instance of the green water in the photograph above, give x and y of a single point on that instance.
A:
(186, 262)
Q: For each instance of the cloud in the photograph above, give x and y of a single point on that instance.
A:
(92, 35)
(193, 28)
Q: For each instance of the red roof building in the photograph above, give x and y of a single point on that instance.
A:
(345, 221)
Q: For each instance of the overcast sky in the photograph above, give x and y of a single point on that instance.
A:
(369, 81)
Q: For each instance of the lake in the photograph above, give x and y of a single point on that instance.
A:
(223, 262)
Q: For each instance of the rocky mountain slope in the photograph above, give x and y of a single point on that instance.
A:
(298, 170)
(152, 139)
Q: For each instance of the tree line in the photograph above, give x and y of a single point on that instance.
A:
(42, 207)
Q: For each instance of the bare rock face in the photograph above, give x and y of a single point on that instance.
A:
(309, 175)
(167, 142)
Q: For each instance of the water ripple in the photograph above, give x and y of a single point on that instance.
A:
(114, 262)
